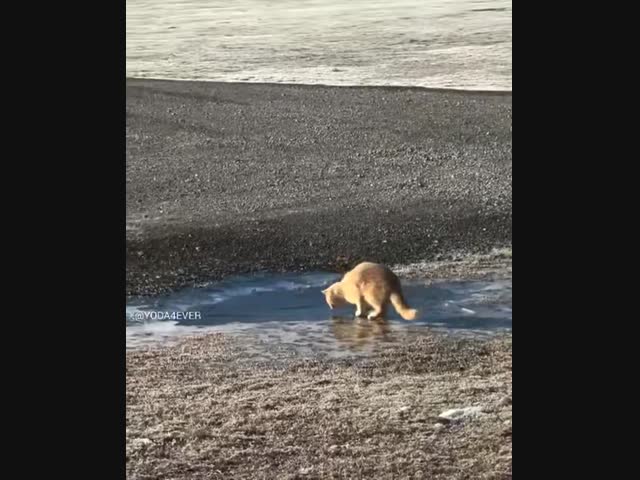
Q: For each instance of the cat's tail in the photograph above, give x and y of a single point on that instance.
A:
(397, 300)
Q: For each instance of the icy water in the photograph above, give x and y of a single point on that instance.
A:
(289, 310)
(462, 44)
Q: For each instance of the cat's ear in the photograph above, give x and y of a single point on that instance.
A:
(325, 291)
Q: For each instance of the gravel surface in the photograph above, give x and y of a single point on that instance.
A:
(229, 178)
(433, 407)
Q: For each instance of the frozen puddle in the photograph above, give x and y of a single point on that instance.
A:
(290, 311)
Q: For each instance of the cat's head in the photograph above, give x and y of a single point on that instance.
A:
(333, 296)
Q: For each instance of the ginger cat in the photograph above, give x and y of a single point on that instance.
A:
(369, 286)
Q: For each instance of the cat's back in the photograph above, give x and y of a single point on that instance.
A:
(370, 273)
